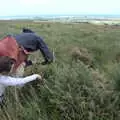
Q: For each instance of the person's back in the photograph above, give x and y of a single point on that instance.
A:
(32, 42)
(28, 40)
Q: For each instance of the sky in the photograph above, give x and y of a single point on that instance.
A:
(42, 7)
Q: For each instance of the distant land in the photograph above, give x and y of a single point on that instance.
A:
(53, 16)
(91, 18)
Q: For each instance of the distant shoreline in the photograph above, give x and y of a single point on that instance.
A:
(91, 19)
(77, 16)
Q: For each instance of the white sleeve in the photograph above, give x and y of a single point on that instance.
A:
(12, 81)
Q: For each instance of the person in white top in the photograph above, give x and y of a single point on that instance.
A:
(7, 80)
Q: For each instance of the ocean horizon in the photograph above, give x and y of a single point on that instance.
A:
(53, 16)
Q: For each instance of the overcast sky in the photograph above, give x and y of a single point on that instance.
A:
(30, 7)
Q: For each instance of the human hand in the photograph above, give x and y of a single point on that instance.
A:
(39, 77)
(47, 62)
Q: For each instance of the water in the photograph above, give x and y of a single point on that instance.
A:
(92, 16)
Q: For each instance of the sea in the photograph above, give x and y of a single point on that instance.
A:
(55, 16)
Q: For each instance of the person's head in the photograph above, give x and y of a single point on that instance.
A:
(6, 64)
(26, 30)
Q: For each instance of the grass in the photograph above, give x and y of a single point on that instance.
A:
(73, 89)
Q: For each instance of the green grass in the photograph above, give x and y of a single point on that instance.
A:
(74, 89)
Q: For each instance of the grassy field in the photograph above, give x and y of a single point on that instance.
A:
(82, 84)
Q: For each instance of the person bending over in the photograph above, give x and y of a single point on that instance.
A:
(32, 42)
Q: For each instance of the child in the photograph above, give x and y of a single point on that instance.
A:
(6, 65)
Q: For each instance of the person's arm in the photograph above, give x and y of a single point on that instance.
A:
(47, 54)
(12, 81)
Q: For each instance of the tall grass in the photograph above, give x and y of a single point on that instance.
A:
(73, 90)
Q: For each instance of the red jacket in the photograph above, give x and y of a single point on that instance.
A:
(9, 47)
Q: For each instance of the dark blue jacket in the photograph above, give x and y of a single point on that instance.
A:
(32, 42)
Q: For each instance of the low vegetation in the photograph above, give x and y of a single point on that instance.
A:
(82, 84)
